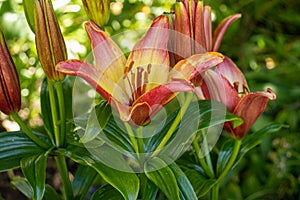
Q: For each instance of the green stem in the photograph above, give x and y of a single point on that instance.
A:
(207, 154)
(54, 113)
(202, 159)
(230, 163)
(139, 134)
(173, 127)
(29, 132)
(62, 112)
(215, 192)
(132, 138)
(64, 173)
(234, 154)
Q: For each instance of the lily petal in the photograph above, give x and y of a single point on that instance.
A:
(150, 103)
(182, 33)
(153, 47)
(194, 65)
(232, 73)
(221, 29)
(153, 102)
(207, 27)
(151, 53)
(249, 109)
(108, 56)
(200, 45)
(216, 87)
(104, 86)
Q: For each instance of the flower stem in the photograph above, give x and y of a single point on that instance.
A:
(215, 192)
(207, 154)
(173, 127)
(202, 159)
(234, 154)
(63, 171)
(132, 138)
(54, 113)
(139, 134)
(29, 132)
(230, 163)
(62, 112)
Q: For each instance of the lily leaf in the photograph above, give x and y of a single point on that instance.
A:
(163, 177)
(148, 188)
(106, 192)
(170, 179)
(83, 179)
(34, 169)
(126, 181)
(24, 187)
(15, 146)
(201, 184)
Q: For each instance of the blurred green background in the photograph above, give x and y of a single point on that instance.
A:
(265, 44)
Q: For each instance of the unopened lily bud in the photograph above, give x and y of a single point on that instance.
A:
(50, 43)
(97, 10)
(10, 95)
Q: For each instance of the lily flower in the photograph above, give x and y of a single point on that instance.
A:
(228, 85)
(10, 94)
(193, 29)
(141, 85)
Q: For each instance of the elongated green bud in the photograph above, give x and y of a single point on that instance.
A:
(50, 43)
(10, 94)
(97, 10)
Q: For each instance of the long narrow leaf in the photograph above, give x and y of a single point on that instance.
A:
(34, 169)
(15, 146)
(126, 182)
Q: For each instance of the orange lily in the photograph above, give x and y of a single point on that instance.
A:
(228, 85)
(139, 87)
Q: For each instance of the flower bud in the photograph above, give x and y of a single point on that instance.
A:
(97, 10)
(50, 43)
(10, 94)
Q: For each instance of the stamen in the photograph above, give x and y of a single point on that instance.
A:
(139, 81)
(128, 68)
(133, 86)
(236, 86)
(245, 90)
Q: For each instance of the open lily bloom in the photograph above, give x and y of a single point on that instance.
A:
(141, 85)
(228, 85)
(194, 20)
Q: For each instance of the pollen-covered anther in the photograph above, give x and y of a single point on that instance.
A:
(244, 91)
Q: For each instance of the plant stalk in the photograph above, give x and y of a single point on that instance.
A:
(29, 132)
(55, 117)
(173, 127)
(62, 112)
(64, 173)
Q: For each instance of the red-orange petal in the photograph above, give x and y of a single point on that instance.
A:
(153, 47)
(108, 56)
(216, 87)
(221, 30)
(249, 108)
(86, 71)
(232, 73)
